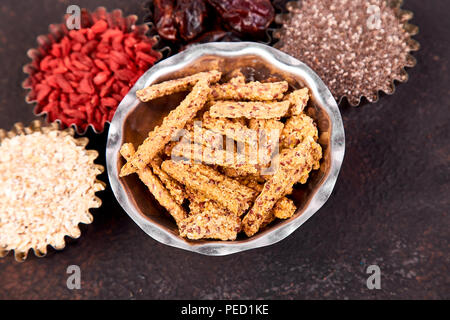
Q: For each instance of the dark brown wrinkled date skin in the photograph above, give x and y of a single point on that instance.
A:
(200, 21)
(247, 17)
(164, 19)
(190, 17)
(183, 19)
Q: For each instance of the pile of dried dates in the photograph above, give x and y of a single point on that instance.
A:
(185, 22)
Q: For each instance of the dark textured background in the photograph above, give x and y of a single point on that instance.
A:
(390, 205)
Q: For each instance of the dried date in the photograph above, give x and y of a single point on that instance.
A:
(247, 17)
(164, 19)
(190, 17)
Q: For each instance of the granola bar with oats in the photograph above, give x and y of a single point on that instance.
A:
(254, 91)
(235, 130)
(298, 100)
(216, 186)
(157, 189)
(175, 121)
(249, 110)
(178, 85)
(210, 222)
(296, 129)
(293, 163)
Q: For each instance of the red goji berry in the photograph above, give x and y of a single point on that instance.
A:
(108, 102)
(90, 34)
(77, 36)
(42, 92)
(113, 65)
(80, 66)
(129, 41)
(89, 47)
(143, 46)
(124, 91)
(63, 83)
(119, 57)
(124, 74)
(145, 57)
(100, 26)
(53, 96)
(77, 46)
(118, 97)
(56, 50)
(95, 100)
(101, 65)
(86, 86)
(76, 114)
(101, 77)
(65, 46)
(98, 116)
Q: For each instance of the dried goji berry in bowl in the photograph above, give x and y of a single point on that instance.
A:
(78, 77)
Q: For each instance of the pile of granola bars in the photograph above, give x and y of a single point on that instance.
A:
(226, 159)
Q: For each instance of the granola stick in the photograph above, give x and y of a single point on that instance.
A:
(175, 189)
(268, 132)
(210, 155)
(209, 221)
(293, 163)
(196, 133)
(232, 129)
(296, 129)
(299, 100)
(283, 209)
(216, 186)
(249, 110)
(175, 121)
(178, 85)
(155, 186)
(254, 91)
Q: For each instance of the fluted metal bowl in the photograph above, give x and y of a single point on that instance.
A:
(134, 119)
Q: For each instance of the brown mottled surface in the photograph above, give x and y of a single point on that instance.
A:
(390, 206)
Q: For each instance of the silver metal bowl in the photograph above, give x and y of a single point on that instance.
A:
(134, 119)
